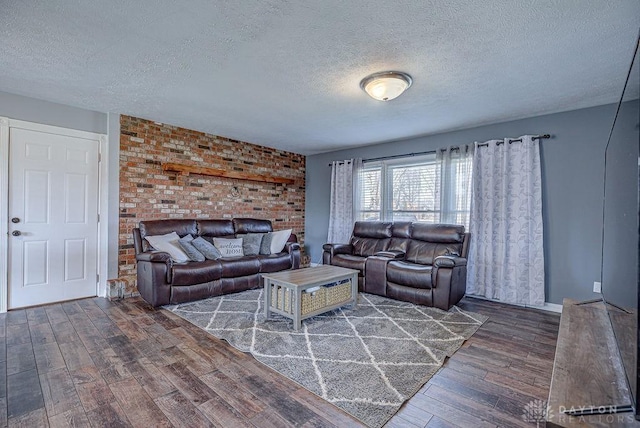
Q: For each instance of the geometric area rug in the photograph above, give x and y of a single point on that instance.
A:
(368, 361)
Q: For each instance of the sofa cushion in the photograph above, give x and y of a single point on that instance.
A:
(368, 246)
(441, 233)
(278, 239)
(187, 246)
(424, 252)
(420, 252)
(229, 247)
(274, 262)
(209, 229)
(196, 272)
(409, 274)
(251, 243)
(349, 261)
(239, 266)
(265, 245)
(401, 229)
(251, 225)
(207, 249)
(372, 229)
(162, 227)
(169, 244)
(398, 244)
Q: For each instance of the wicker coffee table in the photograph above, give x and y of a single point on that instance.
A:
(303, 293)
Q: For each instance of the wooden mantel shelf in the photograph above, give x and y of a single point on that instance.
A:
(213, 172)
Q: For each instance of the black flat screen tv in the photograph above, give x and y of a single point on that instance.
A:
(621, 234)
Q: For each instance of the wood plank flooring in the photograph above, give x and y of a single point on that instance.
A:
(488, 382)
(98, 363)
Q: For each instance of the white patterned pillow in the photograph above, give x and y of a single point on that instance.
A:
(279, 239)
(168, 243)
(229, 247)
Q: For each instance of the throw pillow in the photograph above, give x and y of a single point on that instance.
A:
(251, 243)
(206, 248)
(169, 244)
(192, 252)
(265, 246)
(278, 239)
(229, 247)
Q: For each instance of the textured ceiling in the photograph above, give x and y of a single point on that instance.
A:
(286, 74)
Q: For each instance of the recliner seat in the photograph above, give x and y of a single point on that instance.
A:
(411, 261)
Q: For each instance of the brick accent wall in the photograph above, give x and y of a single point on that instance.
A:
(148, 193)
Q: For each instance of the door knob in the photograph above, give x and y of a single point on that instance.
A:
(15, 220)
(16, 233)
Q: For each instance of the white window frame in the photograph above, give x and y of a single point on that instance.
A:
(385, 213)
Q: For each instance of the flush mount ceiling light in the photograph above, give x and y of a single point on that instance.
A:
(386, 85)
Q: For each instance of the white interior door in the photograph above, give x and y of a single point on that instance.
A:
(53, 217)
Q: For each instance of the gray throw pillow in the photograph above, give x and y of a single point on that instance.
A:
(206, 248)
(186, 243)
(265, 246)
(251, 243)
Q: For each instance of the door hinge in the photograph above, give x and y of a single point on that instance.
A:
(99, 157)
(97, 278)
(98, 218)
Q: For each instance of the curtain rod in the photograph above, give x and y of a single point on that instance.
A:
(430, 152)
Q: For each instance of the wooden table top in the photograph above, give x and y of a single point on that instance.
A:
(311, 275)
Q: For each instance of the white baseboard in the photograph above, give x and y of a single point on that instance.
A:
(549, 307)
(552, 307)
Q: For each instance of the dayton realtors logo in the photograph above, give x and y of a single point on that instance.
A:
(536, 411)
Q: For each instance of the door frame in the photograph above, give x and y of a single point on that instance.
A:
(102, 262)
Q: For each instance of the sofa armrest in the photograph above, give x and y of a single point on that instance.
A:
(338, 248)
(448, 280)
(331, 250)
(375, 274)
(289, 247)
(393, 254)
(154, 272)
(153, 256)
(158, 257)
(449, 261)
(293, 248)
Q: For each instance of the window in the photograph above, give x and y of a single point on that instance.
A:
(427, 188)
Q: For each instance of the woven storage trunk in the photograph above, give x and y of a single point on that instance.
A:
(313, 301)
(338, 293)
(310, 301)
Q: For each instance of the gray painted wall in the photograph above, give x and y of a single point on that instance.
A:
(572, 171)
(114, 192)
(48, 113)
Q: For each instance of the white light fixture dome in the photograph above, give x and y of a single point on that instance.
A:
(386, 85)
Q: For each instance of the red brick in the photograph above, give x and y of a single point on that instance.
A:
(144, 145)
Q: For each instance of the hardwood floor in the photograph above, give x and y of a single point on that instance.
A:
(488, 382)
(96, 363)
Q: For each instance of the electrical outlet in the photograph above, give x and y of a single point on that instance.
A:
(597, 287)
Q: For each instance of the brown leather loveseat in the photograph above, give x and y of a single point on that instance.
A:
(415, 262)
(161, 281)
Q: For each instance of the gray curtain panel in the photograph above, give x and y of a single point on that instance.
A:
(506, 258)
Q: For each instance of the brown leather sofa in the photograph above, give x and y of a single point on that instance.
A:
(161, 281)
(414, 262)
